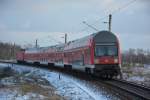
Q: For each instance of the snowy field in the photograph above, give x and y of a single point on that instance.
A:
(140, 75)
(66, 86)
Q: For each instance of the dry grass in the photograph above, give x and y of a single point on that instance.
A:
(46, 91)
(27, 85)
(35, 88)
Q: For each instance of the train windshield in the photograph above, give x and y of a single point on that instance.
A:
(106, 50)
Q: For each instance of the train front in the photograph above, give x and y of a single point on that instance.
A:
(107, 58)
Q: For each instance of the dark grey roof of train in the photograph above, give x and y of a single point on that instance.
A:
(99, 37)
(105, 37)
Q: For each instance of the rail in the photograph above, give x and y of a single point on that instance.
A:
(139, 91)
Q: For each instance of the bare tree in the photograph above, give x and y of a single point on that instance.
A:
(8, 50)
(136, 56)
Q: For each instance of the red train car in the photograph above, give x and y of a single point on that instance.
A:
(98, 54)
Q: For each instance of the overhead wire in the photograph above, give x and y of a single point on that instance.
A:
(124, 6)
(51, 39)
(117, 10)
(48, 38)
(113, 12)
(55, 39)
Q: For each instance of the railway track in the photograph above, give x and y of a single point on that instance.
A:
(129, 89)
(125, 90)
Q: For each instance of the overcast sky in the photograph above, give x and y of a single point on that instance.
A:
(23, 21)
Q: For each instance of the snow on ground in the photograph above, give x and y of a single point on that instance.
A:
(15, 93)
(66, 86)
(24, 86)
(136, 78)
(140, 75)
(8, 94)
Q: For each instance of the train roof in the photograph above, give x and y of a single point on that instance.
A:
(83, 42)
(105, 37)
(54, 48)
(99, 37)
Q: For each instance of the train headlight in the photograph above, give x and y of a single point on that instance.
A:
(115, 60)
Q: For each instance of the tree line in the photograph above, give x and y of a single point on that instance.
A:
(136, 57)
(8, 50)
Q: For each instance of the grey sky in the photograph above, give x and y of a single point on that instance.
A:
(22, 21)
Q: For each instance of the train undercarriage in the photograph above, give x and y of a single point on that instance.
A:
(102, 71)
(106, 71)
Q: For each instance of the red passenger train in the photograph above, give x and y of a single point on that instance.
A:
(97, 54)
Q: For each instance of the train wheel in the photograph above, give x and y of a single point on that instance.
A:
(68, 68)
(104, 76)
(51, 64)
(88, 70)
(109, 76)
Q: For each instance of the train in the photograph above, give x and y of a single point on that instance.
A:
(97, 54)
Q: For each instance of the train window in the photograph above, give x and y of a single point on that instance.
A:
(106, 50)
